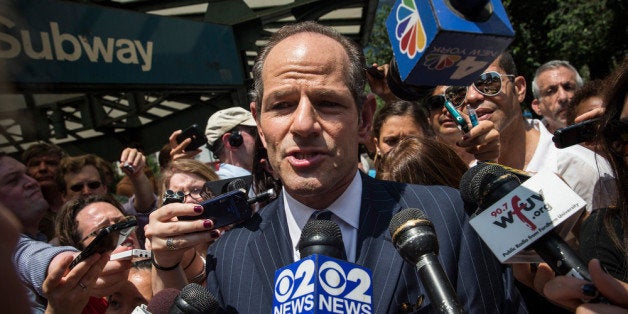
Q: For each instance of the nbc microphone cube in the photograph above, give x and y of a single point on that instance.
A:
(435, 44)
(321, 284)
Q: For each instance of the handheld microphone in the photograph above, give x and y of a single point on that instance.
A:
(499, 193)
(262, 197)
(236, 185)
(414, 237)
(194, 299)
(443, 42)
(322, 284)
(162, 301)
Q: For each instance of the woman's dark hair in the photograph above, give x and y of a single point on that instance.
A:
(401, 108)
(613, 138)
(263, 178)
(422, 160)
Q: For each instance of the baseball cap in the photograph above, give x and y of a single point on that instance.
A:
(224, 120)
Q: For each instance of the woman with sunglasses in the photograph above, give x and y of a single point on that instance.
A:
(480, 143)
(173, 253)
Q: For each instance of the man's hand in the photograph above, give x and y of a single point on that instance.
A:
(482, 141)
(69, 291)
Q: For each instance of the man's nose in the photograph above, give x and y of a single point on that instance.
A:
(305, 122)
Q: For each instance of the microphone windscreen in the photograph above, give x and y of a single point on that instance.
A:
(403, 216)
(162, 301)
(199, 298)
(236, 185)
(321, 237)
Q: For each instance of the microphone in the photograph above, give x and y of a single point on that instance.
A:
(235, 185)
(194, 299)
(262, 197)
(414, 238)
(321, 283)
(500, 195)
(443, 42)
(162, 301)
(321, 237)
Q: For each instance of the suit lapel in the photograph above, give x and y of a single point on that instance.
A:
(374, 246)
(270, 247)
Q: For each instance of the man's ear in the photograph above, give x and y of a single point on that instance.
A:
(225, 141)
(535, 106)
(520, 88)
(366, 119)
(254, 111)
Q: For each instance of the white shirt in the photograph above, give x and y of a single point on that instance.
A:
(346, 210)
(226, 171)
(586, 172)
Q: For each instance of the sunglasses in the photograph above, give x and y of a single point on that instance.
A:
(91, 185)
(488, 84)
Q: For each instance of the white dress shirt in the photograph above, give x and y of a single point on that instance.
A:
(346, 210)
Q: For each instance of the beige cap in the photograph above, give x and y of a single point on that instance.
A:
(224, 120)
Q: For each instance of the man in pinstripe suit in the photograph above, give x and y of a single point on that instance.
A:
(309, 106)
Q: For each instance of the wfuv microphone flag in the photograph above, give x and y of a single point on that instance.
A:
(447, 42)
(321, 284)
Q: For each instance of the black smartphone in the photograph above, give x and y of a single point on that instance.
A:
(225, 209)
(576, 133)
(374, 72)
(107, 239)
(196, 134)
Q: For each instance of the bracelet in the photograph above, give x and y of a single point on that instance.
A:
(191, 261)
(152, 260)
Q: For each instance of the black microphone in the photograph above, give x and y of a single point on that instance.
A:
(262, 197)
(485, 184)
(443, 42)
(162, 301)
(414, 238)
(321, 237)
(333, 284)
(235, 185)
(194, 299)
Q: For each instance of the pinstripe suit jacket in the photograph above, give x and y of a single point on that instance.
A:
(242, 263)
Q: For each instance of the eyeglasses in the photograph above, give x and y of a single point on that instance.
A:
(91, 185)
(197, 194)
(489, 84)
(435, 102)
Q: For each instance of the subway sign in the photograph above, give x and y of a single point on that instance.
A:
(54, 42)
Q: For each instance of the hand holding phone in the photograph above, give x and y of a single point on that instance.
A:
(107, 239)
(225, 209)
(576, 133)
(194, 132)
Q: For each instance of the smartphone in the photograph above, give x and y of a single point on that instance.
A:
(225, 209)
(107, 239)
(374, 72)
(196, 134)
(576, 133)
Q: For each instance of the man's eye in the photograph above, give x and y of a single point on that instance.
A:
(391, 141)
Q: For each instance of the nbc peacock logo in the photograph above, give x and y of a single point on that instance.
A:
(409, 30)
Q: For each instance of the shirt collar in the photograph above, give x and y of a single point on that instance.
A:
(345, 207)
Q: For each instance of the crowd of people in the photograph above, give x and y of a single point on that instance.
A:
(309, 119)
